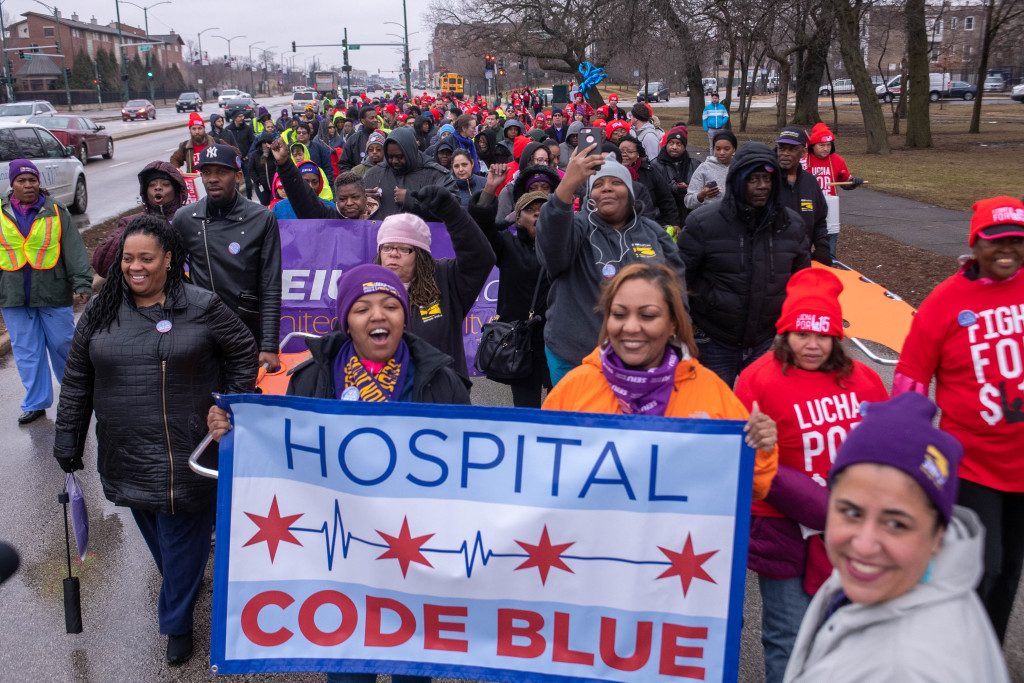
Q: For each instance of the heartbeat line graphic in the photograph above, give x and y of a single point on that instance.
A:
(408, 549)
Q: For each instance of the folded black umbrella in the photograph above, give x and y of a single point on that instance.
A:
(72, 590)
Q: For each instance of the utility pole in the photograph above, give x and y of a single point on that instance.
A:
(149, 48)
(8, 68)
(60, 48)
(202, 70)
(120, 41)
(405, 26)
(346, 68)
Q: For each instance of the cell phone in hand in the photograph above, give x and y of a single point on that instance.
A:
(712, 183)
(589, 136)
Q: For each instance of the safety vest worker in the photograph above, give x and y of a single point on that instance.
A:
(40, 249)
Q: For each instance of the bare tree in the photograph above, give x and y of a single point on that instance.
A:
(849, 14)
(998, 13)
(919, 131)
(681, 23)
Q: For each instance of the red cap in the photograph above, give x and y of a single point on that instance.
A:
(195, 119)
(613, 98)
(614, 125)
(812, 304)
(390, 108)
(820, 133)
(996, 217)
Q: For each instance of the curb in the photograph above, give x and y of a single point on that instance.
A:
(159, 128)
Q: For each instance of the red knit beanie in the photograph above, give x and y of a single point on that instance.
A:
(821, 133)
(812, 304)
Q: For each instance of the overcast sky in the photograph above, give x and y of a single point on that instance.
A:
(272, 23)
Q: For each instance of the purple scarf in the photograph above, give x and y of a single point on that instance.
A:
(353, 382)
(640, 392)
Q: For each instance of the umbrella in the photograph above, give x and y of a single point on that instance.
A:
(79, 515)
(72, 592)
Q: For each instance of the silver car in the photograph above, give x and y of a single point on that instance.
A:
(20, 112)
(62, 174)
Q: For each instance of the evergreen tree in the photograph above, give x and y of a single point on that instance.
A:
(137, 75)
(82, 72)
(110, 72)
(175, 81)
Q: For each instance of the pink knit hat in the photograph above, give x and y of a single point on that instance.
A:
(404, 228)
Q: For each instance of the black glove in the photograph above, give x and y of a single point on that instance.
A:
(69, 465)
(437, 201)
(857, 182)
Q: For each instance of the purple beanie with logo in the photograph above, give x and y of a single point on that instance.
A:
(367, 279)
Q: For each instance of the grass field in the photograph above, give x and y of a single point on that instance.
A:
(958, 169)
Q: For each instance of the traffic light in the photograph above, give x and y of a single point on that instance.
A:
(501, 63)
(293, 46)
(21, 54)
(150, 74)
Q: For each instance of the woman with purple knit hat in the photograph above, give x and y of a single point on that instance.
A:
(900, 605)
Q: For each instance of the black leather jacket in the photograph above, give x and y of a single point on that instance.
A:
(238, 256)
(151, 391)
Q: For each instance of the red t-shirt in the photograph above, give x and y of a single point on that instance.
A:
(812, 411)
(196, 151)
(969, 335)
(830, 169)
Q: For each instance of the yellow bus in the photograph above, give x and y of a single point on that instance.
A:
(452, 83)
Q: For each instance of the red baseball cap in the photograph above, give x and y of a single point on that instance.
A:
(997, 217)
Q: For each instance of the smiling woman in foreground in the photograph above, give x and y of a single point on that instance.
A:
(900, 605)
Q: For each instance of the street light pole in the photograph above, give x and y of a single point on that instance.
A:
(231, 78)
(202, 71)
(405, 24)
(120, 40)
(8, 70)
(252, 76)
(145, 17)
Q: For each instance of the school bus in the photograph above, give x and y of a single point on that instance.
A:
(452, 83)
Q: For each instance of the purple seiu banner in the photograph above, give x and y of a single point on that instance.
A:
(314, 254)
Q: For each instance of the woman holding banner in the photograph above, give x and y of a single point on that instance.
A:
(814, 392)
(146, 356)
(645, 364)
(370, 356)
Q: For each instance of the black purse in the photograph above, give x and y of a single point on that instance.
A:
(506, 348)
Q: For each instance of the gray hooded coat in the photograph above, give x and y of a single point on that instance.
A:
(565, 150)
(938, 631)
(418, 172)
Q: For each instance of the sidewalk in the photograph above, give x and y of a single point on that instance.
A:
(940, 231)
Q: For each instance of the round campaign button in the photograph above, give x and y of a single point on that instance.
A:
(163, 326)
(608, 270)
(350, 394)
(966, 318)
(234, 247)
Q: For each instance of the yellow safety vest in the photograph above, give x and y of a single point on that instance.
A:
(40, 249)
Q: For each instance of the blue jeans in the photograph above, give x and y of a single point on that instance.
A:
(557, 367)
(833, 242)
(783, 603)
(372, 678)
(727, 361)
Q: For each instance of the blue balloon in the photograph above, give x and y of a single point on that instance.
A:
(591, 77)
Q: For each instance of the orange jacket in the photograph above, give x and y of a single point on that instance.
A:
(697, 389)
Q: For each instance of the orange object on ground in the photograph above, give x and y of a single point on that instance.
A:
(277, 382)
(872, 312)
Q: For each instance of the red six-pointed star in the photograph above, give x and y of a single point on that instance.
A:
(404, 547)
(544, 556)
(273, 529)
(686, 565)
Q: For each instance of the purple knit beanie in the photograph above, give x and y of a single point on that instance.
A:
(899, 433)
(20, 166)
(404, 228)
(367, 279)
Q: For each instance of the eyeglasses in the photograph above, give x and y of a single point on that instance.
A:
(388, 248)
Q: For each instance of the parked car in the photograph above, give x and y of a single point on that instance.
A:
(80, 132)
(20, 112)
(656, 90)
(301, 99)
(994, 83)
(1017, 94)
(939, 86)
(61, 172)
(838, 86)
(189, 101)
(246, 104)
(138, 109)
(226, 95)
(960, 90)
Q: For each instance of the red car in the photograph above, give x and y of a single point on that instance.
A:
(79, 132)
(138, 109)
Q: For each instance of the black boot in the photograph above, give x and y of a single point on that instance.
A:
(179, 648)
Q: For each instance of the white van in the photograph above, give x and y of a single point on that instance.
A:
(938, 83)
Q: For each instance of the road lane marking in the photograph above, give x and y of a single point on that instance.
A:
(121, 164)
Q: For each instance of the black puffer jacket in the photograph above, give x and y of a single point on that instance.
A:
(433, 379)
(739, 259)
(237, 255)
(151, 392)
(661, 194)
(419, 172)
(677, 173)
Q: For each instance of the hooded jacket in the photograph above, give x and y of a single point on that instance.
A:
(697, 390)
(449, 143)
(423, 138)
(243, 136)
(151, 392)
(105, 254)
(710, 169)
(418, 173)
(574, 247)
(263, 167)
(510, 194)
(565, 150)
(488, 156)
(677, 173)
(664, 204)
(355, 149)
(506, 142)
(938, 631)
(433, 379)
(237, 255)
(739, 259)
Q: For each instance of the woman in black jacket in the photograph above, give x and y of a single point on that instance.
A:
(263, 167)
(519, 272)
(634, 158)
(146, 356)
